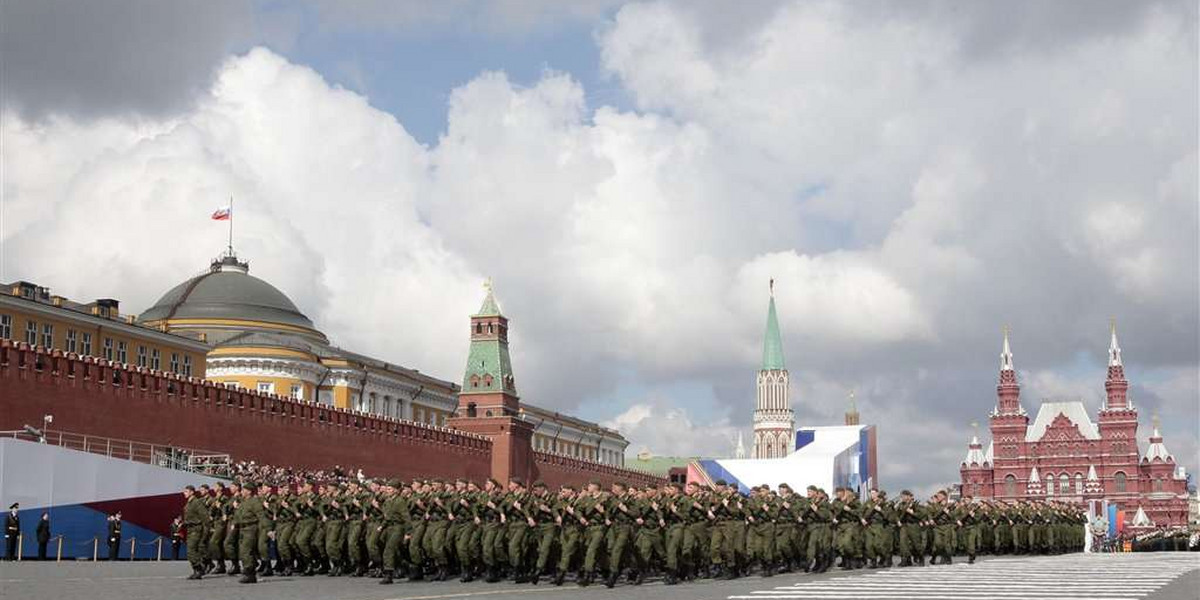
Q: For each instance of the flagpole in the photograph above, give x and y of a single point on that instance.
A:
(231, 225)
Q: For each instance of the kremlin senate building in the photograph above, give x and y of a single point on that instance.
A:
(1063, 455)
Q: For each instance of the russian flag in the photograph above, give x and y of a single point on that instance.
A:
(223, 214)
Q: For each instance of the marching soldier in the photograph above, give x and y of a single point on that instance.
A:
(546, 521)
(246, 519)
(196, 520)
(910, 516)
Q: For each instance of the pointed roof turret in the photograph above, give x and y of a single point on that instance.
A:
(1114, 349)
(852, 411)
(1141, 519)
(1157, 449)
(1034, 476)
(773, 341)
(1091, 476)
(740, 451)
(1006, 357)
(489, 308)
(975, 449)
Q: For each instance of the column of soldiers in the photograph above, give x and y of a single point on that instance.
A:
(438, 530)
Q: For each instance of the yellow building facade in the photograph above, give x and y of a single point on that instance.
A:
(30, 313)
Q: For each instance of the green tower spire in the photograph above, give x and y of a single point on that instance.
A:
(489, 369)
(773, 342)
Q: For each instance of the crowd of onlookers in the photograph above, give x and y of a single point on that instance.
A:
(273, 475)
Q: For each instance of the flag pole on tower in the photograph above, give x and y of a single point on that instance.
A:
(231, 224)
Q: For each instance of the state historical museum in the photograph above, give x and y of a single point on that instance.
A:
(1063, 455)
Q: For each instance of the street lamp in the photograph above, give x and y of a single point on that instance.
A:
(46, 421)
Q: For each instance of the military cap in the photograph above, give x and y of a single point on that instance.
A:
(14, 506)
(906, 492)
(721, 483)
(813, 488)
(251, 486)
(541, 485)
(784, 486)
(394, 483)
(569, 487)
(517, 481)
(493, 481)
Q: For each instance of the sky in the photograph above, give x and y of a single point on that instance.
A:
(914, 176)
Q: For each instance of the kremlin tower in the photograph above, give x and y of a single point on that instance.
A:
(774, 420)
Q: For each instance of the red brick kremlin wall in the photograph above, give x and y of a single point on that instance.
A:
(91, 396)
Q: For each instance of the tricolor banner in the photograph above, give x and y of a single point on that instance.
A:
(223, 214)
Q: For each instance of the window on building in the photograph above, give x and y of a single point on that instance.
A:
(155, 359)
(187, 365)
(1064, 484)
(6, 327)
(1119, 482)
(266, 387)
(1158, 485)
(175, 362)
(108, 348)
(1049, 484)
(31, 333)
(419, 415)
(1079, 484)
(297, 391)
(141, 354)
(122, 353)
(47, 335)
(85, 344)
(72, 341)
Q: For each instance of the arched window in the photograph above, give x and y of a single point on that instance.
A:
(1064, 484)
(479, 328)
(1010, 485)
(490, 328)
(1158, 485)
(1049, 484)
(1119, 481)
(1079, 484)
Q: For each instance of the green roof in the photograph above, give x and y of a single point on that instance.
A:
(772, 343)
(659, 465)
(489, 308)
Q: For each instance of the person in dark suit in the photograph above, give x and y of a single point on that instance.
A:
(43, 535)
(114, 536)
(12, 531)
(176, 537)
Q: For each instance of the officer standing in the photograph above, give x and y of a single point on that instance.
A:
(43, 535)
(12, 531)
(176, 532)
(114, 536)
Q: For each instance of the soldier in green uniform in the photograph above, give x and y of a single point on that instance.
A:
(196, 518)
(787, 529)
(230, 537)
(593, 508)
(694, 506)
(878, 514)
(544, 510)
(942, 513)
(910, 516)
(819, 521)
(676, 508)
(373, 538)
(395, 517)
(304, 505)
(214, 501)
(621, 516)
(762, 513)
(649, 538)
(246, 517)
(266, 530)
(491, 535)
(848, 520)
(967, 519)
(286, 518)
(571, 536)
(518, 518)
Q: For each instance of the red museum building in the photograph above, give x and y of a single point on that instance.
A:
(1064, 455)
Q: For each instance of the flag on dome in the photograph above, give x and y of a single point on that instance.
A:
(223, 214)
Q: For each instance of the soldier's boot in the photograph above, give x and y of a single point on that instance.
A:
(889, 562)
(268, 571)
(611, 581)
(387, 578)
(971, 559)
(586, 580)
(559, 577)
(196, 574)
(670, 578)
(639, 577)
(249, 577)
(767, 569)
(947, 560)
(921, 560)
(235, 568)
(361, 570)
(220, 570)
(440, 574)
(493, 575)
(468, 575)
